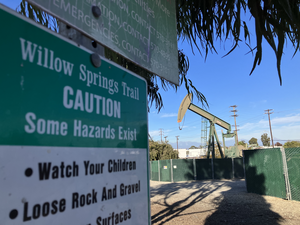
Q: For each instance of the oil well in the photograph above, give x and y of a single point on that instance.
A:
(232, 152)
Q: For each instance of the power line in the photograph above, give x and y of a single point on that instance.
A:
(269, 111)
(165, 138)
(252, 118)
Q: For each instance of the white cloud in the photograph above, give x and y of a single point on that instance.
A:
(285, 120)
(283, 128)
(155, 134)
(252, 126)
(264, 124)
(184, 144)
(168, 115)
(167, 131)
(289, 132)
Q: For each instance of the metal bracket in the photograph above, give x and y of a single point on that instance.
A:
(80, 39)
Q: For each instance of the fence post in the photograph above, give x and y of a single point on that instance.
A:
(244, 167)
(232, 168)
(212, 168)
(158, 170)
(171, 161)
(286, 175)
(150, 171)
(194, 167)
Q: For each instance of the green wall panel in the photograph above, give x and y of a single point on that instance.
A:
(238, 168)
(154, 171)
(264, 172)
(183, 169)
(165, 170)
(223, 168)
(203, 169)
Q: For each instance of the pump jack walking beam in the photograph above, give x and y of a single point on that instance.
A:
(186, 104)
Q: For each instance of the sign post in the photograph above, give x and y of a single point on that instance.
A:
(73, 138)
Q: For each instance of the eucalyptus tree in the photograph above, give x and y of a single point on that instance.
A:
(265, 139)
(253, 141)
(202, 23)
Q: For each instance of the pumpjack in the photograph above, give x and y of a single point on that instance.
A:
(233, 152)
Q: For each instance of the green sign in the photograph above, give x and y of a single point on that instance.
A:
(144, 31)
(52, 95)
(73, 138)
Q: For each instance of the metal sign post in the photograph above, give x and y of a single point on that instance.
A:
(73, 132)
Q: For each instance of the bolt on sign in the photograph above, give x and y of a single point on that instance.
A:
(143, 31)
(73, 137)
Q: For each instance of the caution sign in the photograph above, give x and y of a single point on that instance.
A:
(73, 138)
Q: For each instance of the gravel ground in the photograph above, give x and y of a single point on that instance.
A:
(217, 202)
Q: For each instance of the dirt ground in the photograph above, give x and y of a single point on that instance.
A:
(217, 202)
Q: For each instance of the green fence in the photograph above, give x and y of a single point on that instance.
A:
(273, 171)
(293, 165)
(165, 170)
(264, 172)
(183, 169)
(174, 170)
(154, 170)
(223, 169)
(238, 168)
(203, 169)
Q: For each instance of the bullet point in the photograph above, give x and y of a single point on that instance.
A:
(28, 172)
(13, 214)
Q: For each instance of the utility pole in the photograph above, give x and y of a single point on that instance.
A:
(161, 132)
(166, 138)
(204, 126)
(235, 115)
(269, 111)
(177, 141)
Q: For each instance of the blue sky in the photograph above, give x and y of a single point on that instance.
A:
(225, 82)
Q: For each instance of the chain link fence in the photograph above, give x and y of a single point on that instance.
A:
(154, 171)
(165, 170)
(293, 166)
(223, 169)
(183, 169)
(238, 168)
(273, 171)
(264, 172)
(174, 170)
(203, 169)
